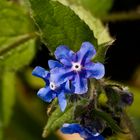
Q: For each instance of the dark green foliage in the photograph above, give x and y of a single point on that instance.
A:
(59, 25)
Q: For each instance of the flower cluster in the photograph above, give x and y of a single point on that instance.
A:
(70, 74)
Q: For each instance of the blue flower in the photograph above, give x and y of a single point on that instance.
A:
(51, 89)
(84, 132)
(77, 67)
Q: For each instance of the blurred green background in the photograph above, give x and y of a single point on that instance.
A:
(18, 90)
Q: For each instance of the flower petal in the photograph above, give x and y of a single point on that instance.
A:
(61, 75)
(86, 52)
(79, 84)
(84, 133)
(95, 70)
(40, 72)
(46, 94)
(75, 128)
(53, 64)
(62, 101)
(64, 54)
(71, 128)
(66, 87)
(66, 62)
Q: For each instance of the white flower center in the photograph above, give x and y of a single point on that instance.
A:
(97, 134)
(76, 67)
(52, 86)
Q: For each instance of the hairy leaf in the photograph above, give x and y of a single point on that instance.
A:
(16, 46)
(17, 56)
(100, 32)
(102, 49)
(96, 7)
(58, 24)
(14, 20)
(57, 119)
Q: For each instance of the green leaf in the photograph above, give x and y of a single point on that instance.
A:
(102, 49)
(100, 32)
(17, 55)
(57, 119)
(58, 25)
(7, 98)
(16, 40)
(96, 7)
(13, 20)
(105, 116)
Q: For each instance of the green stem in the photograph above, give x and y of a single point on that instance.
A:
(93, 93)
(121, 16)
(18, 42)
